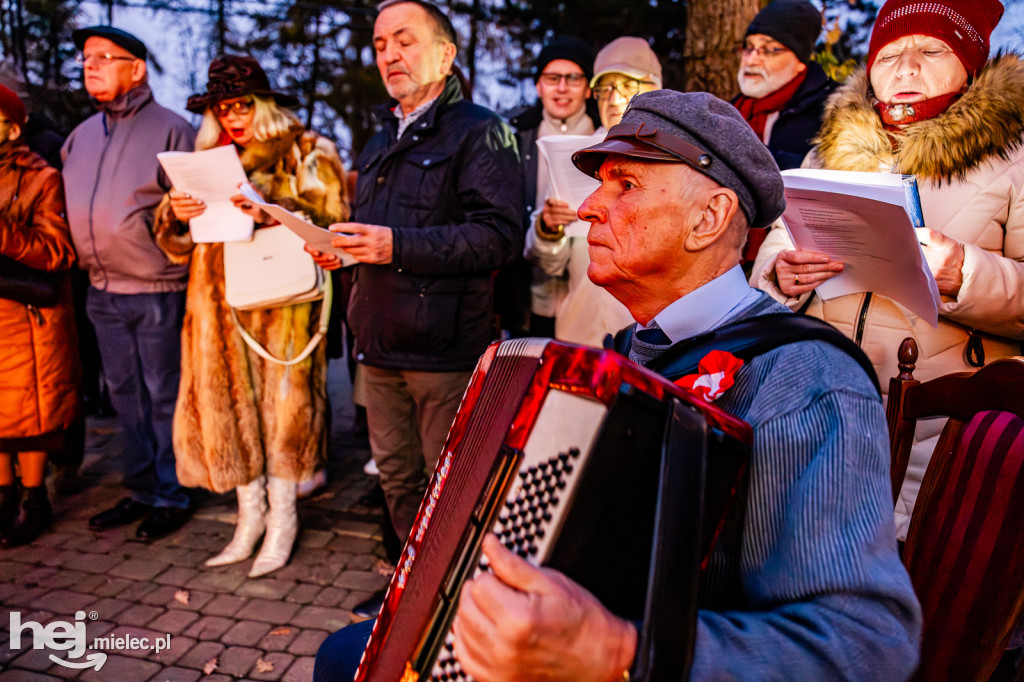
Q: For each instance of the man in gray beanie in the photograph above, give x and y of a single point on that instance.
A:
(783, 92)
(804, 581)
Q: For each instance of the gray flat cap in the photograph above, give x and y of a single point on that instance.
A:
(705, 133)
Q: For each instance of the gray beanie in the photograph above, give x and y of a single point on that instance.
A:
(707, 134)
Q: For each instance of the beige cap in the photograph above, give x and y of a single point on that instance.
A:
(628, 55)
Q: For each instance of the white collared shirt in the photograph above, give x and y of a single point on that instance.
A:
(704, 308)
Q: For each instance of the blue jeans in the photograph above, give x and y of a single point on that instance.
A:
(139, 337)
(338, 657)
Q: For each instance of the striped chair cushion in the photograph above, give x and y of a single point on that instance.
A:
(965, 549)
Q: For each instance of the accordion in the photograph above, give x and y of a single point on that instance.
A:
(579, 460)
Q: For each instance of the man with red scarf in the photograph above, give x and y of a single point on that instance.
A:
(782, 92)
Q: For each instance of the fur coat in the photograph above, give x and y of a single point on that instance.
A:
(39, 363)
(969, 162)
(239, 416)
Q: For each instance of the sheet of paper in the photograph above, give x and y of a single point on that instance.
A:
(212, 175)
(862, 220)
(565, 180)
(317, 237)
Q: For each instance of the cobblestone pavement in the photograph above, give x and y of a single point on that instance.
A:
(221, 625)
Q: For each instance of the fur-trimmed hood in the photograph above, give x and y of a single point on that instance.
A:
(987, 121)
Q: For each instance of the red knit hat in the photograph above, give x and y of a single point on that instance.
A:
(964, 25)
(12, 107)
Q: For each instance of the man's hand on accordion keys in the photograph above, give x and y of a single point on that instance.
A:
(524, 622)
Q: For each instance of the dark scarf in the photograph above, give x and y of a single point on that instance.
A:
(757, 111)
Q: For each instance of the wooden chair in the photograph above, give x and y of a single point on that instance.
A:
(965, 545)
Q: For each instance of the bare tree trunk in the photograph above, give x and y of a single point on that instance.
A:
(713, 29)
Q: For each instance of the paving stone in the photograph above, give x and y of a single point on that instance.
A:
(121, 588)
(359, 529)
(224, 605)
(268, 611)
(363, 562)
(29, 554)
(209, 627)
(138, 569)
(330, 596)
(238, 660)
(175, 575)
(11, 570)
(280, 662)
(352, 545)
(209, 543)
(53, 557)
(26, 676)
(92, 563)
(308, 642)
(32, 659)
(312, 557)
(140, 614)
(173, 674)
(355, 597)
(216, 581)
(321, 618)
(361, 580)
(80, 581)
(200, 654)
(123, 669)
(245, 633)
(266, 588)
(278, 639)
(301, 670)
(316, 539)
(217, 678)
(91, 544)
(180, 646)
(109, 608)
(188, 558)
(174, 621)
(303, 593)
(166, 595)
(63, 601)
(35, 576)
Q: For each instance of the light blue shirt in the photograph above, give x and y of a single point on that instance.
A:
(704, 308)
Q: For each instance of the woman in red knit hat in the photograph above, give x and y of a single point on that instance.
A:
(932, 104)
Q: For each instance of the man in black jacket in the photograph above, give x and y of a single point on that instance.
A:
(438, 208)
(782, 92)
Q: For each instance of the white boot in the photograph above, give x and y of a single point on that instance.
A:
(282, 527)
(252, 512)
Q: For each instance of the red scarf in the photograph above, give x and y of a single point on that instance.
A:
(896, 116)
(757, 111)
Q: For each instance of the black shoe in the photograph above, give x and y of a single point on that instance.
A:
(125, 511)
(36, 516)
(369, 607)
(163, 521)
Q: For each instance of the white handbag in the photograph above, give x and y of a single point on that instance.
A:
(270, 271)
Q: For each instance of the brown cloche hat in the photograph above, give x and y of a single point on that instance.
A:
(233, 75)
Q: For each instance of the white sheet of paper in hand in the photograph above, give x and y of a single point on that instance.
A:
(213, 176)
(862, 220)
(317, 237)
(566, 181)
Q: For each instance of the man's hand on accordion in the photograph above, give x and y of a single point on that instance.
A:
(526, 623)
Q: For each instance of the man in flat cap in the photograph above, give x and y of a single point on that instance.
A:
(782, 92)
(806, 582)
(136, 297)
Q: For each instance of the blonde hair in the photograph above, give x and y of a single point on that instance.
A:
(269, 120)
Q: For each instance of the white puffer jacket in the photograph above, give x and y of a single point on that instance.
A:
(970, 167)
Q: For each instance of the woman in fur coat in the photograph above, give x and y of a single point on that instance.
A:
(931, 105)
(242, 421)
(39, 365)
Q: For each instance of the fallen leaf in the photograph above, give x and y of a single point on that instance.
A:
(329, 495)
(210, 666)
(263, 666)
(182, 596)
(281, 631)
(384, 568)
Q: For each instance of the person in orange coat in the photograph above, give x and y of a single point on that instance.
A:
(39, 364)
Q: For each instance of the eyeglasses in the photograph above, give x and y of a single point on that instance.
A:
(762, 52)
(573, 80)
(104, 58)
(241, 107)
(628, 88)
